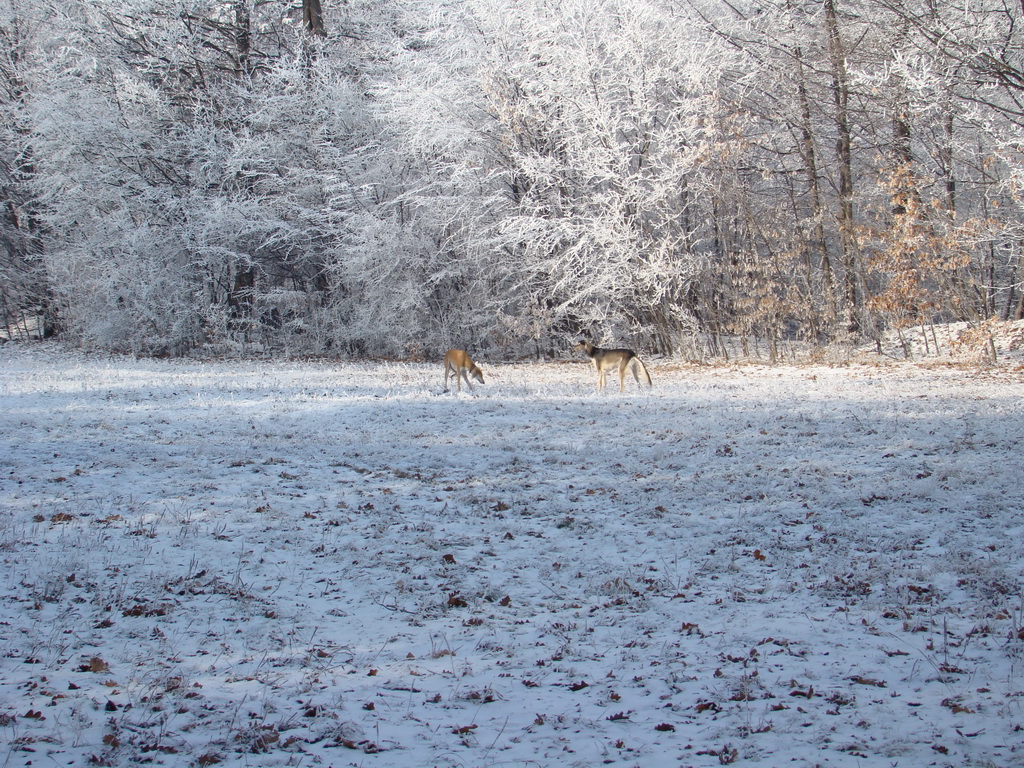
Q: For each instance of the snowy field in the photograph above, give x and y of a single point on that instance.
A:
(306, 564)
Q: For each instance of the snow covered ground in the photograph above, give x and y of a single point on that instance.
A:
(304, 564)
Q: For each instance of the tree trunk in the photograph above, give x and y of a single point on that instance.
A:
(243, 37)
(844, 156)
(312, 17)
(817, 240)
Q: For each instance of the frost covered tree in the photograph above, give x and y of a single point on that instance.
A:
(963, 65)
(210, 167)
(23, 289)
(561, 145)
(874, 174)
(395, 178)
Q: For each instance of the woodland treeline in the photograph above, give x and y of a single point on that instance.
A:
(393, 177)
